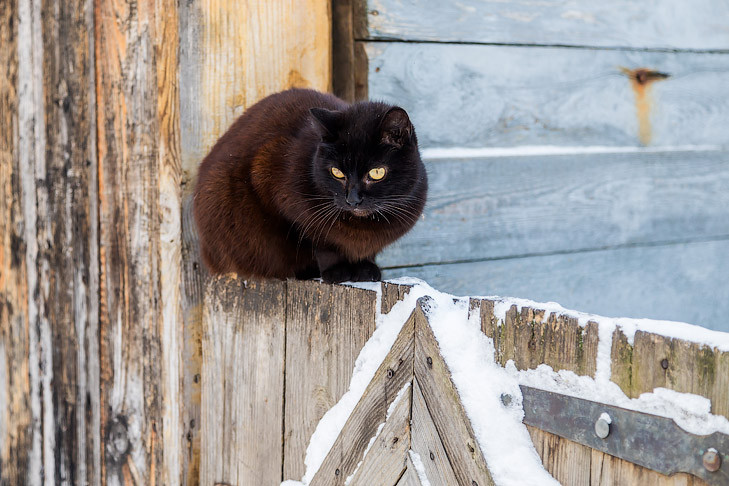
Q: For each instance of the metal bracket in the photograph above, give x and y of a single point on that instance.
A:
(647, 440)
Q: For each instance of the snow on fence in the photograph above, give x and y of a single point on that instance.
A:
(396, 383)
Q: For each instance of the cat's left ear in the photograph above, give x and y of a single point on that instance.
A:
(395, 128)
(329, 120)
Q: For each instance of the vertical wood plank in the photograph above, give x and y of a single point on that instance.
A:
(15, 414)
(139, 214)
(66, 246)
(243, 380)
(607, 470)
(391, 295)
(567, 461)
(326, 327)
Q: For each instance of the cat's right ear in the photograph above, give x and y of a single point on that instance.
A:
(329, 121)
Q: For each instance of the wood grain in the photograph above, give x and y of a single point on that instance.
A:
(428, 444)
(684, 282)
(15, 414)
(386, 459)
(395, 372)
(243, 382)
(139, 201)
(499, 207)
(568, 462)
(235, 53)
(668, 24)
(410, 476)
(502, 96)
(530, 339)
(392, 293)
(445, 408)
(334, 322)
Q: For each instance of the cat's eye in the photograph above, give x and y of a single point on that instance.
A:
(377, 174)
(337, 173)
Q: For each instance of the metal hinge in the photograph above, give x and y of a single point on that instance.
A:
(647, 440)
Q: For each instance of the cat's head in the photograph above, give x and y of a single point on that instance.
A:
(367, 160)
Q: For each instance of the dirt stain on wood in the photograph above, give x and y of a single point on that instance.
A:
(641, 80)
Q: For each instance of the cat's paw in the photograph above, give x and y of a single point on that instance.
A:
(341, 272)
(366, 271)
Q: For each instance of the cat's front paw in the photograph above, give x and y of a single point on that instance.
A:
(366, 271)
(341, 272)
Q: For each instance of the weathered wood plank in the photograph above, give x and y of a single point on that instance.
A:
(497, 96)
(529, 339)
(427, 443)
(67, 244)
(386, 459)
(628, 282)
(235, 53)
(445, 408)
(658, 361)
(667, 24)
(495, 207)
(139, 201)
(243, 382)
(15, 414)
(334, 322)
(392, 294)
(568, 462)
(393, 374)
(410, 476)
(609, 470)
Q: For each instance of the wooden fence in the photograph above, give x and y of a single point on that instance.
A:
(278, 355)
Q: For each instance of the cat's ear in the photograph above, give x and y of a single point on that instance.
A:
(395, 128)
(329, 121)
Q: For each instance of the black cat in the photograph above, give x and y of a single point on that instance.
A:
(304, 185)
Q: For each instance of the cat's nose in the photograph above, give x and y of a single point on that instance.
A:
(353, 199)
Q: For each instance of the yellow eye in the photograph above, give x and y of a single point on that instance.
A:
(377, 174)
(337, 173)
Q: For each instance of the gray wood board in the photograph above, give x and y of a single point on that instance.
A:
(682, 282)
(510, 206)
(700, 24)
(485, 96)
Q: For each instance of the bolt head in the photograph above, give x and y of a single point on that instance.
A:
(711, 460)
(506, 399)
(602, 428)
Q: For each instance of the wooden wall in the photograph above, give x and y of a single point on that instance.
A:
(599, 149)
(106, 108)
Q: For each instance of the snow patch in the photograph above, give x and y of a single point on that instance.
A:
(419, 467)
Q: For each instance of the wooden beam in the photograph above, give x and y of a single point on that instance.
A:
(446, 410)
(387, 456)
(393, 374)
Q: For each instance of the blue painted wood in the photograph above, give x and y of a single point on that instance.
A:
(496, 96)
(675, 24)
(684, 282)
(508, 206)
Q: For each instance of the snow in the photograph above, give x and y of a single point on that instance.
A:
(481, 381)
(419, 467)
(605, 418)
(463, 152)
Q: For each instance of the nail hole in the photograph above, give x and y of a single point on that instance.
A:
(430, 362)
(664, 363)
(432, 456)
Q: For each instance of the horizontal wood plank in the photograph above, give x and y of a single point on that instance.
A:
(491, 96)
(510, 206)
(684, 282)
(671, 24)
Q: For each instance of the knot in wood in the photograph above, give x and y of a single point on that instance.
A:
(429, 360)
(118, 440)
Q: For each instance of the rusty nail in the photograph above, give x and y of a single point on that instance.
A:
(429, 360)
(336, 472)
(664, 363)
(432, 456)
(602, 426)
(390, 373)
(506, 399)
(711, 460)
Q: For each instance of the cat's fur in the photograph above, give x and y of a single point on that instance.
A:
(266, 202)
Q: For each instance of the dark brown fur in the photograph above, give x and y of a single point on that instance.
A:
(260, 191)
